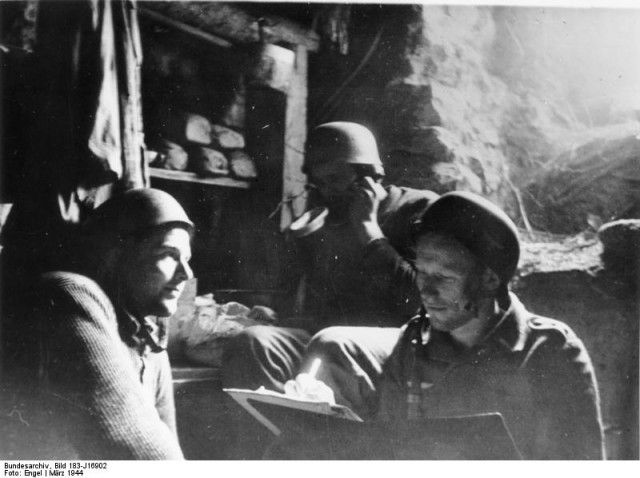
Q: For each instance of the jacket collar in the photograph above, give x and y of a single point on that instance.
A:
(512, 331)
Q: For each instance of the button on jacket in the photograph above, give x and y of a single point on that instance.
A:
(534, 371)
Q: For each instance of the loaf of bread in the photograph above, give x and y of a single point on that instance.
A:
(226, 138)
(241, 165)
(197, 129)
(209, 162)
(184, 128)
(170, 156)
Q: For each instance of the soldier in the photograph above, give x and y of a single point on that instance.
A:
(474, 348)
(91, 353)
(357, 283)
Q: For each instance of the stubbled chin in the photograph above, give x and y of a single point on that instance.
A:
(436, 324)
(441, 323)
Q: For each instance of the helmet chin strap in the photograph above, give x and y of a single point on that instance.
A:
(474, 308)
(486, 290)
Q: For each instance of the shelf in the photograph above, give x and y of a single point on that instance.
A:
(189, 177)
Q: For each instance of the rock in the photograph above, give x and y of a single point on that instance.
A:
(545, 253)
(457, 177)
(225, 138)
(435, 160)
(621, 244)
(620, 257)
(209, 162)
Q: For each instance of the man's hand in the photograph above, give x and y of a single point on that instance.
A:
(363, 210)
(308, 387)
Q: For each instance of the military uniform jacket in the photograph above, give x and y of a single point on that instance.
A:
(347, 284)
(534, 371)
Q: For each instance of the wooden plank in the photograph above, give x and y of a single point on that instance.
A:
(232, 23)
(189, 177)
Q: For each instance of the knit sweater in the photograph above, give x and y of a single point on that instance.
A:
(114, 393)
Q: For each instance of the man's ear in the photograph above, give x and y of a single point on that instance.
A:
(490, 281)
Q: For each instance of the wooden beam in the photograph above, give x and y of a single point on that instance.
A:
(233, 24)
(161, 19)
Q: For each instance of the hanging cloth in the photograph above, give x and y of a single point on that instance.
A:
(86, 141)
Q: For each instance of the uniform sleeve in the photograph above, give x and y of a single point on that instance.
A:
(292, 278)
(388, 260)
(394, 277)
(569, 424)
(392, 399)
(89, 370)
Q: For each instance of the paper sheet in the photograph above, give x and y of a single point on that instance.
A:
(243, 397)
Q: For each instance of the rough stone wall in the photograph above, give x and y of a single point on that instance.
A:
(474, 97)
(447, 57)
(433, 90)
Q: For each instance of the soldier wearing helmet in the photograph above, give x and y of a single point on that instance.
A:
(472, 352)
(341, 160)
(103, 370)
(475, 349)
(356, 282)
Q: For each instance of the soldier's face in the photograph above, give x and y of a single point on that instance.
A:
(334, 182)
(449, 280)
(154, 272)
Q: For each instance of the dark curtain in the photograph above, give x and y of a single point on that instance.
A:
(83, 140)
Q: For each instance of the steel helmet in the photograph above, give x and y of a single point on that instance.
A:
(479, 225)
(136, 211)
(342, 141)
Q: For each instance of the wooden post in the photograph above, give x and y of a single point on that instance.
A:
(293, 198)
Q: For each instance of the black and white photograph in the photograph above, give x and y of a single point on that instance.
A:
(341, 233)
